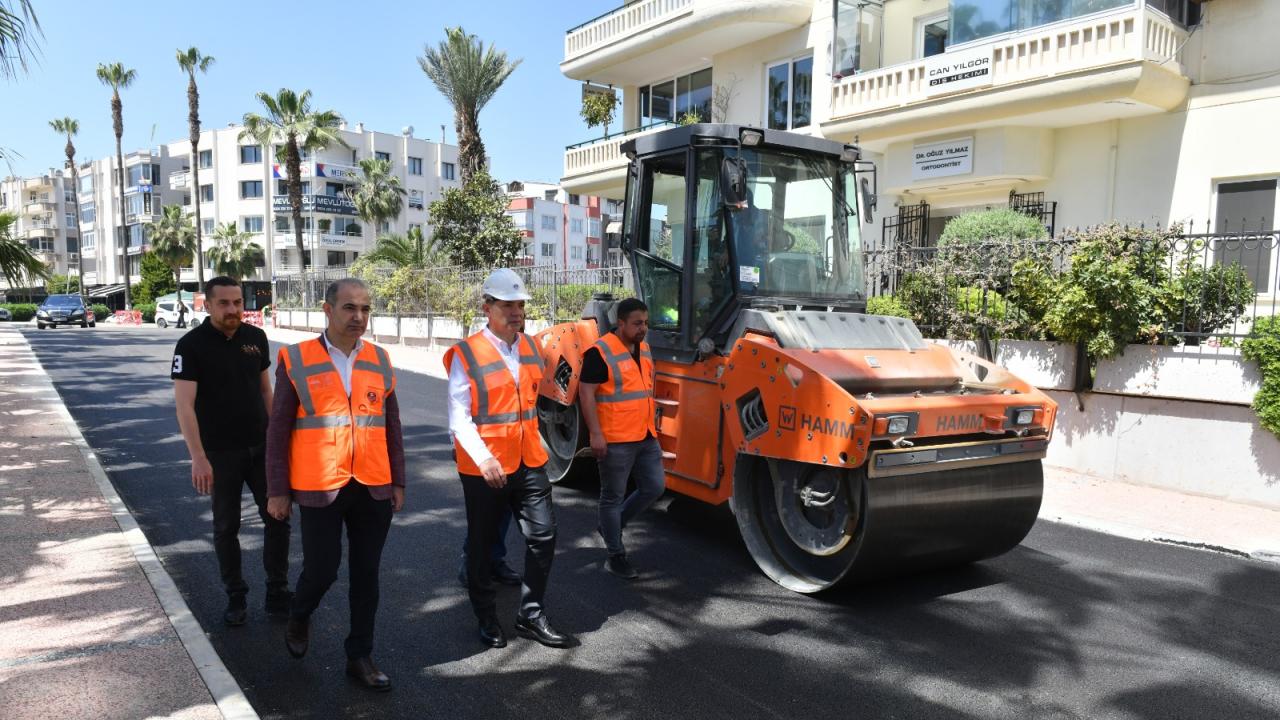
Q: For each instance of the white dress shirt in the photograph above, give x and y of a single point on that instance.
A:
(342, 362)
(461, 425)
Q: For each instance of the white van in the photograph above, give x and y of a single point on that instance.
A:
(167, 314)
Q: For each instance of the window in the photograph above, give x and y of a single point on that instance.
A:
(282, 223)
(250, 189)
(660, 252)
(548, 250)
(282, 187)
(575, 252)
(575, 199)
(671, 100)
(593, 228)
(336, 258)
(548, 222)
(857, 45)
(415, 166)
(382, 156)
(137, 235)
(250, 154)
(522, 219)
(1185, 12)
(790, 94)
(931, 35)
(207, 226)
(384, 227)
(971, 20)
(549, 195)
(447, 171)
(250, 223)
(334, 189)
(73, 246)
(281, 153)
(206, 159)
(415, 226)
(415, 199)
(206, 193)
(1247, 207)
(575, 226)
(86, 183)
(90, 239)
(346, 226)
(71, 219)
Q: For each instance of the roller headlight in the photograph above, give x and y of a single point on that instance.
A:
(898, 425)
(1024, 417)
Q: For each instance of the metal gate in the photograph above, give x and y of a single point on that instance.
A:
(901, 235)
(1034, 204)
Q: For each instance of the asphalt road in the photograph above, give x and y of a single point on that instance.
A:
(1072, 624)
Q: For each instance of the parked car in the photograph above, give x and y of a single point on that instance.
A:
(5, 314)
(167, 314)
(64, 310)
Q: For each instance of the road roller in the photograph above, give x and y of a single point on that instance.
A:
(848, 447)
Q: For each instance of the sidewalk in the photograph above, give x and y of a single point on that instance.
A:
(1108, 506)
(91, 624)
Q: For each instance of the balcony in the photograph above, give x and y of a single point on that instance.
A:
(598, 167)
(38, 183)
(649, 39)
(180, 180)
(39, 207)
(39, 231)
(1103, 67)
(284, 240)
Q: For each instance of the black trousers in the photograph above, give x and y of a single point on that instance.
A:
(367, 522)
(232, 470)
(528, 496)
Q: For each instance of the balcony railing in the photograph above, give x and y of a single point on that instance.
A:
(1093, 42)
(603, 153)
(620, 23)
(180, 179)
(37, 182)
(39, 207)
(284, 240)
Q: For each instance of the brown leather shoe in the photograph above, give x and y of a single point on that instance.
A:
(363, 670)
(297, 636)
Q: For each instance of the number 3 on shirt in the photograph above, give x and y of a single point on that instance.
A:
(177, 364)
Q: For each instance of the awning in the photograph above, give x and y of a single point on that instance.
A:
(103, 291)
(613, 228)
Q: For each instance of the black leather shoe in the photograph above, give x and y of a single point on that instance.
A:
(491, 633)
(277, 603)
(505, 574)
(368, 674)
(297, 636)
(235, 613)
(619, 565)
(539, 629)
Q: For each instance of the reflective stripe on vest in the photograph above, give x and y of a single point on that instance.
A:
(338, 435)
(625, 404)
(508, 423)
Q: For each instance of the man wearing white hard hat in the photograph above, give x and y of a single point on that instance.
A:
(493, 417)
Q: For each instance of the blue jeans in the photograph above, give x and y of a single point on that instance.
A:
(642, 460)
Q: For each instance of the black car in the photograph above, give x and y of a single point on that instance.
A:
(64, 310)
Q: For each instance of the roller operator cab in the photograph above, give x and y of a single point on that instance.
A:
(847, 446)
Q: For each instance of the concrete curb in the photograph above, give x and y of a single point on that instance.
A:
(222, 686)
(1135, 533)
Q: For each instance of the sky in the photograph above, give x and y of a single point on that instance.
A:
(358, 58)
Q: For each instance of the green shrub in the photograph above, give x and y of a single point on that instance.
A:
(991, 226)
(887, 305)
(1116, 290)
(985, 244)
(1205, 299)
(1262, 346)
(21, 312)
(100, 312)
(148, 311)
(1033, 289)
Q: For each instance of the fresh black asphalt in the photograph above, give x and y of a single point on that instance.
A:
(1072, 624)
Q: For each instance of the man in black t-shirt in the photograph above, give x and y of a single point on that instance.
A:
(222, 391)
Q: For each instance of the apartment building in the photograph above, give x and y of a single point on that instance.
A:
(1079, 111)
(44, 205)
(245, 184)
(560, 228)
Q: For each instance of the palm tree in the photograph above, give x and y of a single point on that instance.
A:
(378, 195)
(412, 250)
(17, 24)
(116, 76)
(173, 240)
(234, 255)
(468, 75)
(69, 127)
(17, 261)
(192, 61)
(290, 119)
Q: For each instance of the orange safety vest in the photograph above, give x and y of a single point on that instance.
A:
(337, 437)
(505, 411)
(625, 403)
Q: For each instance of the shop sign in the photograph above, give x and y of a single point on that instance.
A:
(942, 159)
(955, 71)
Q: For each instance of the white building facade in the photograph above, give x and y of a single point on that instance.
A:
(1084, 111)
(559, 228)
(243, 183)
(44, 206)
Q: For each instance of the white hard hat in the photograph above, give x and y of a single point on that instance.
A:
(504, 284)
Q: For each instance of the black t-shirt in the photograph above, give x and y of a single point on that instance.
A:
(227, 372)
(595, 370)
